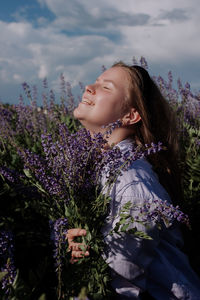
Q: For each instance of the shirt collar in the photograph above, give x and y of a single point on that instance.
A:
(126, 144)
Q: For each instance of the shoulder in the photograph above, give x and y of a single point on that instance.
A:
(140, 181)
(140, 169)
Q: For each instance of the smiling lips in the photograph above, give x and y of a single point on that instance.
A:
(87, 101)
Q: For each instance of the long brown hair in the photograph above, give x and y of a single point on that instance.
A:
(158, 124)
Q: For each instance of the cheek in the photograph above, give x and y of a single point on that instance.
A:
(113, 112)
(120, 107)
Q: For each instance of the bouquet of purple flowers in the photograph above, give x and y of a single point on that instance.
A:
(68, 174)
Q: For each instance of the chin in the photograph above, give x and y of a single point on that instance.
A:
(76, 114)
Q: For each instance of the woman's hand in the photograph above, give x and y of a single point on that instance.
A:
(78, 250)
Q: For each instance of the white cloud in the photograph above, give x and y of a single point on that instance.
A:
(43, 71)
(17, 78)
(158, 29)
(86, 34)
(29, 54)
(164, 43)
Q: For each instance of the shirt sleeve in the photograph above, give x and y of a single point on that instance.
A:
(127, 255)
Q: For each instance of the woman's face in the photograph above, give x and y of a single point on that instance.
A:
(103, 102)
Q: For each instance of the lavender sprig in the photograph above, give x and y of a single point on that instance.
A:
(111, 126)
(152, 212)
(58, 236)
(7, 260)
(163, 211)
(11, 175)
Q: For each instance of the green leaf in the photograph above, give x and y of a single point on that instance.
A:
(88, 236)
(2, 274)
(27, 172)
(140, 234)
(124, 227)
(42, 297)
(83, 247)
(40, 188)
(122, 221)
(127, 205)
(116, 229)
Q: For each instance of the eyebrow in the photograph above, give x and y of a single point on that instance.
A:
(107, 80)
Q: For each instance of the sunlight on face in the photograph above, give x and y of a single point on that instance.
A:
(103, 102)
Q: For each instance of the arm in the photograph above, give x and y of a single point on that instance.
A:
(126, 253)
(129, 256)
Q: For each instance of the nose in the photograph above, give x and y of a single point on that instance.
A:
(90, 89)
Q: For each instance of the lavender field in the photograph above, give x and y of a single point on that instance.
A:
(41, 146)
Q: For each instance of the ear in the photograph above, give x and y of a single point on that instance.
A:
(131, 117)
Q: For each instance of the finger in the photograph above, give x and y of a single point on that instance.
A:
(76, 232)
(72, 260)
(77, 246)
(71, 233)
(79, 254)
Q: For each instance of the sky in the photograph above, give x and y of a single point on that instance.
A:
(46, 38)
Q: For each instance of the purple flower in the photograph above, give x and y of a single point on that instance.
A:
(103, 68)
(35, 94)
(143, 63)
(58, 236)
(11, 175)
(198, 142)
(81, 86)
(70, 100)
(159, 210)
(27, 90)
(62, 85)
(6, 259)
(45, 83)
(110, 127)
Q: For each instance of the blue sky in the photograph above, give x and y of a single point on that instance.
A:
(44, 38)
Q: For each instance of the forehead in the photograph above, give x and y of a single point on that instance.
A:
(117, 75)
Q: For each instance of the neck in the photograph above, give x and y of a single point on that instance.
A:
(118, 135)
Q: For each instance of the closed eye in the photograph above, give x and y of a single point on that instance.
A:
(106, 87)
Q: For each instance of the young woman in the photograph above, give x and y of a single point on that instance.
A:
(139, 267)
